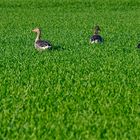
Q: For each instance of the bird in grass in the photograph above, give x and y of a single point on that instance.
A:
(138, 46)
(96, 38)
(40, 44)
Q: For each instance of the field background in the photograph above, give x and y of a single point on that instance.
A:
(76, 91)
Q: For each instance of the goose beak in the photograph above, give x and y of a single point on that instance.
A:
(34, 30)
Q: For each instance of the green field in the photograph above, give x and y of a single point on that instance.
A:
(76, 91)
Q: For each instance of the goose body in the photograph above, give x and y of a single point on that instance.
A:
(96, 38)
(40, 44)
(138, 46)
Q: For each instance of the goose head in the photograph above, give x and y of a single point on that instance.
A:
(97, 29)
(36, 30)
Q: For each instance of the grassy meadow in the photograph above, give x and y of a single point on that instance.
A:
(76, 91)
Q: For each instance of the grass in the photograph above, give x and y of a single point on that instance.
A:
(78, 91)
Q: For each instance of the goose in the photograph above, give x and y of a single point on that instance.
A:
(40, 44)
(96, 38)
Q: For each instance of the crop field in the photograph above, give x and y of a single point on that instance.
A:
(76, 91)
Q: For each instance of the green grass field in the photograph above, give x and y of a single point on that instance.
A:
(76, 91)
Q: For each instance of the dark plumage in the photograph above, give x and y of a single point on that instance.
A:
(96, 38)
(138, 46)
(42, 43)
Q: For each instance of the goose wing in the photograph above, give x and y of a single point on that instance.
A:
(42, 43)
(97, 37)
